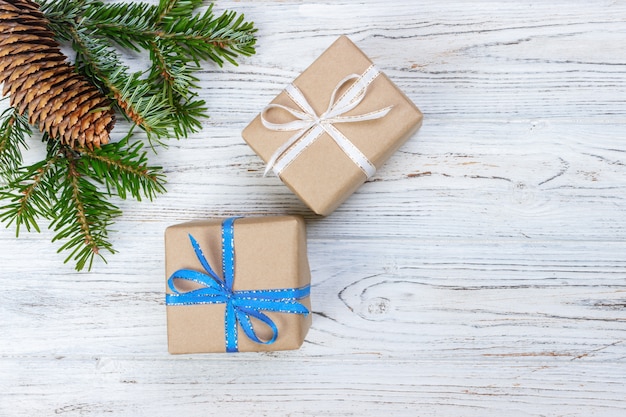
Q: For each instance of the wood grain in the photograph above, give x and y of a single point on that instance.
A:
(482, 271)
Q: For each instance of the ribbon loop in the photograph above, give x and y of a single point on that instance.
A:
(310, 126)
(347, 102)
(240, 306)
(303, 119)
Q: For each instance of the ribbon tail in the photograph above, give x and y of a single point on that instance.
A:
(281, 150)
(205, 264)
(244, 314)
(299, 146)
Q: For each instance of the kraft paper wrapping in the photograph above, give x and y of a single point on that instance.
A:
(270, 253)
(323, 176)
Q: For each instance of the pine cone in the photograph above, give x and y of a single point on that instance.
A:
(40, 82)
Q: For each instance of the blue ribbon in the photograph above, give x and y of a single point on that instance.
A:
(241, 306)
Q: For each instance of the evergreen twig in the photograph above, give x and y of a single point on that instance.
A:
(14, 129)
(122, 168)
(84, 215)
(71, 187)
(30, 194)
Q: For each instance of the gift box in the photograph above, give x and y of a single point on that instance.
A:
(241, 284)
(329, 131)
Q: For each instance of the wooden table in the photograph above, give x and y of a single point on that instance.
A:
(482, 271)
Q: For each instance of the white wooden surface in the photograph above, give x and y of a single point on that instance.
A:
(481, 272)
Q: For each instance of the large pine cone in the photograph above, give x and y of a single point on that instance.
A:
(35, 73)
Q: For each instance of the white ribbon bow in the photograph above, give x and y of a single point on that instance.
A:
(310, 126)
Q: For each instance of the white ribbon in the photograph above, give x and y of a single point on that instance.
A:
(310, 126)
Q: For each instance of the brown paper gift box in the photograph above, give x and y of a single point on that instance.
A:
(270, 253)
(323, 176)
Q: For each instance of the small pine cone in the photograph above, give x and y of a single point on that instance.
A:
(41, 83)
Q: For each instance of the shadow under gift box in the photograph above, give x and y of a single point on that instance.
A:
(323, 176)
(270, 253)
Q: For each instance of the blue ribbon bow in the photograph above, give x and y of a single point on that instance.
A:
(241, 306)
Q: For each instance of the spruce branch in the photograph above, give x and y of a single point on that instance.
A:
(137, 95)
(149, 111)
(132, 94)
(73, 186)
(186, 117)
(205, 37)
(65, 189)
(14, 129)
(62, 15)
(176, 9)
(130, 25)
(202, 36)
(122, 167)
(85, 211)
(84, 215)
(172, 70)
(30, 194)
